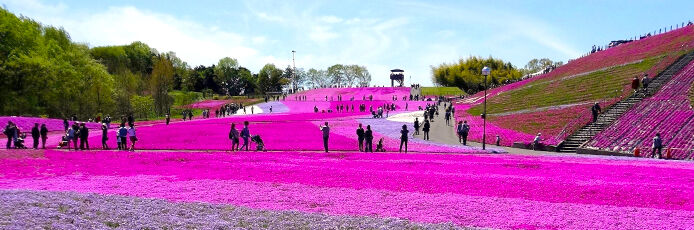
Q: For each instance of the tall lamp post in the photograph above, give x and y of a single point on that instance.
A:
(485, 71)
(294, 87)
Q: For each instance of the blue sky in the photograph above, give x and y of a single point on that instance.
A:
(381, 35)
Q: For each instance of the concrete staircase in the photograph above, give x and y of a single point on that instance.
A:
(611, 114)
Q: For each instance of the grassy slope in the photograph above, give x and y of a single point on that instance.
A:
(596, 86)
(442, 91)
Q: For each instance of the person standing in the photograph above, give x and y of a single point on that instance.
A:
(131, 120)
(368, 137)
(426, 128)
(84, 136)
(595, 110)
(416, 126)
(44, 135)
(635, 84)
(657, 145)
(168, 118)
(403, 137)
(70, 137)
(245, 134)
(35, 134)
(122, 136)
(66, 124)
(234, 137)
(133, 137)
(448, 117)
(104, 136)
(326, 135)
(463, 130)
(76, 136)
(360, 137)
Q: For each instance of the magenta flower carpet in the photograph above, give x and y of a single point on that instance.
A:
(186, 167)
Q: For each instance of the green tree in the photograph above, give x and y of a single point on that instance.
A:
(161, 82)
(142, 106)
(228, 77)
(270, 79)
(336, 73)
(467, 73)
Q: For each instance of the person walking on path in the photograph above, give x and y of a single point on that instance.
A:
(595, 110)
(448, 117)
(245, 134)
(426, 128)
(657, 146)
(326, 135)
(463, 130)
(360, 138)
(234, 136)
(416, 126)
(646, 81)
(122, 137)
(133, 137)
(84, 136)
(403, 137)
(104, 136)
(368, 137)
(44, 135)
(35, 134)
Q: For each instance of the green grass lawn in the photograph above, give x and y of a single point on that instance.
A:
(442, 91)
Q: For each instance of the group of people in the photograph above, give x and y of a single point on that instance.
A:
(228, 110)
(245, 134)
(16, 138)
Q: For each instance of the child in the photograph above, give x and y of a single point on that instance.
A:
(379, 146)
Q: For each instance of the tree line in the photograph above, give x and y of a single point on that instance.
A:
(45, 73)
(466, 74)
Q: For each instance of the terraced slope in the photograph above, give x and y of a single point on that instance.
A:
(558, 102)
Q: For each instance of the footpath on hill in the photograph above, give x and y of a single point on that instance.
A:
(445, 134)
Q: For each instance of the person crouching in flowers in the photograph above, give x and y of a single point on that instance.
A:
(536, 141)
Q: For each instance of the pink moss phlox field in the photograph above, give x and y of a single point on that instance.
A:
(499, 191)
(668, 112)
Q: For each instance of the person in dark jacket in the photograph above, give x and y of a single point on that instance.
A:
(44, 135)
(403, 137)
(360, 137)
(245, 134)
(66, 124)
(131, 120)
(76, 129)
(595, 110)
(635, 83)
(84, 136)
(168, 118)
(122, 135)
(325, 129)
(368, 137)
(463, 130)
(426, 128)
(657, 145)
(104, 136)
(35, 134)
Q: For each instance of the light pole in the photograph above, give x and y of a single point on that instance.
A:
(485, 72)
(294, 73)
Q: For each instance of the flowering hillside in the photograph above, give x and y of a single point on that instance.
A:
(565, 95)
(669, 112)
